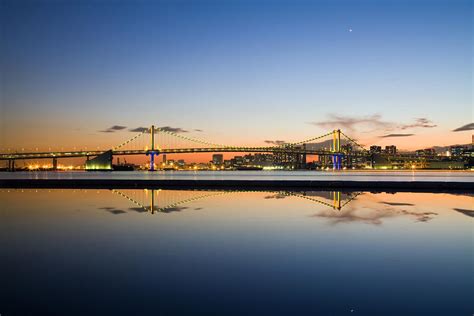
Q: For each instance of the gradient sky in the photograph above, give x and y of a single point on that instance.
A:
(240, 71)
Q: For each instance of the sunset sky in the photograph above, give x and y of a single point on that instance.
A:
(235, 72)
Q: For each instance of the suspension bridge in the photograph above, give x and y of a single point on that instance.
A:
(167, 201)
(154, 141)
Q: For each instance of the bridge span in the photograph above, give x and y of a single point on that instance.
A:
(155, 147)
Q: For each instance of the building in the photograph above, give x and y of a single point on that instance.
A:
(391, 150)
(290, 160)
(347, 148)
(427, 152)
(457, 151)
(217, 159)
(101, 162)
(374, 149)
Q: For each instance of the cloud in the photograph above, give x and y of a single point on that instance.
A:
(139, 129)
(174, 209)
(116, 212)
(173, 129)
(275, 196)
(467, 127)
(113, 129)
(419, 122)
(396, 135)
(370, 123)
(117, 127)
(164, 128)
(467, 212)
(350, 123)
(371, 216)
(398, 204)
(275, 142)
(198, 130)
(138, 209)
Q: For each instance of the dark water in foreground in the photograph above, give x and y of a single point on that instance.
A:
(235, 253)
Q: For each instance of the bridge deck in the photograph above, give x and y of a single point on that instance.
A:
(76, 154)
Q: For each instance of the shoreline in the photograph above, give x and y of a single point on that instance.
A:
(323, 185)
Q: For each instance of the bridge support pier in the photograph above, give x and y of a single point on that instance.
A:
(152, 201)
(11, 165)
(152, 160)
(337, 161)
(152, 152)
(55, 164)
(337, 200)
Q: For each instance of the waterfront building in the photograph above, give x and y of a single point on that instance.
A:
(374, 149)
(427, 152)
(391, 150)
(457, 151)
(217, 159)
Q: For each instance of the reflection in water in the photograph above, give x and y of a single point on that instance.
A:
(168, 201)
(372, 216)
(469, 213)
(235, 252)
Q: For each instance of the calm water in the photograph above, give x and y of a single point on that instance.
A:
(110, 252)
(348, 175)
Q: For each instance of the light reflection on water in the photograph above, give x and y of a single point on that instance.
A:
(347, 175)
(235, 252)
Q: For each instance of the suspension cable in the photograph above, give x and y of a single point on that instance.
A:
(307, 140)
(353, 141)
(128, 141)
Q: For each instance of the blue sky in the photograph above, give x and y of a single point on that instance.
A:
(241, 71)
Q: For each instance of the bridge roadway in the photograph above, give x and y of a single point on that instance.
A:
(83, 153)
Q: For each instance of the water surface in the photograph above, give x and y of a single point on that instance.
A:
(330, 175)
(235, 252)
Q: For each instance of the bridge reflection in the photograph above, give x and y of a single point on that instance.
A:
(164, 201)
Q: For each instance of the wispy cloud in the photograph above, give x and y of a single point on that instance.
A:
(275, 142)
(398, 204)
(198, 130)
(173, 129)
(139, 129)
(113, 129)
(164, 128)
(467, 127)
(396, 135)
(371, 123)
(419, 122)
(374, 217)
(350, 123)
(464, 211)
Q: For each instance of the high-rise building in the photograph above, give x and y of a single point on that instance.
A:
(457, 151)
(374, 149)
(217, 159)
(347, 148)
(427, 152)
(291, 160)
(391, 150)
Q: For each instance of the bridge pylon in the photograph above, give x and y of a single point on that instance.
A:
(336, 149)
(152, 152)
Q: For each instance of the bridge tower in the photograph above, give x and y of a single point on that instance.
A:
(336, 149)
(11, 165)
(336, 195)
(152, 152)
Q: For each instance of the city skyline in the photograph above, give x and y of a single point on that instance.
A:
(84, 74)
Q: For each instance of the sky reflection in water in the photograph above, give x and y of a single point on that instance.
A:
(235, 252)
